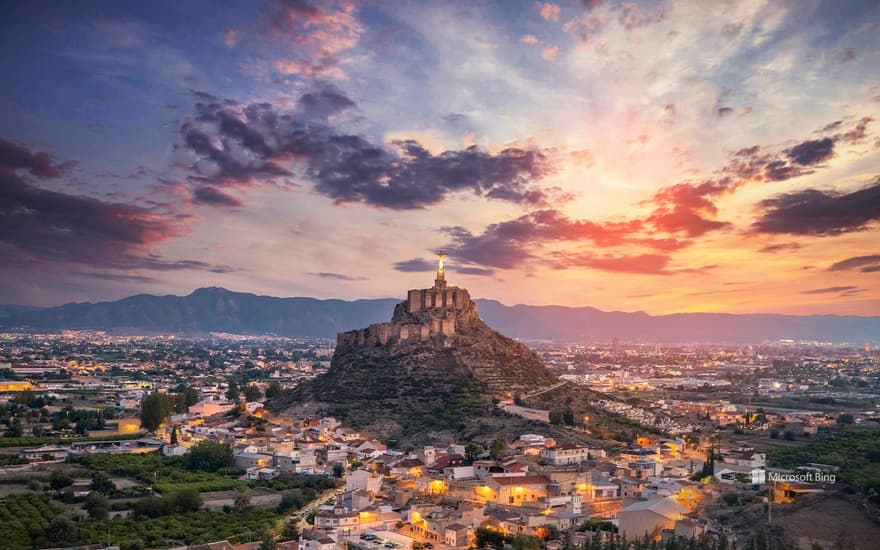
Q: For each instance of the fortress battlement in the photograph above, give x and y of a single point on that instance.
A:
(427, 313)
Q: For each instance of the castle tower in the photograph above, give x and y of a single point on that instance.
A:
(440, 281)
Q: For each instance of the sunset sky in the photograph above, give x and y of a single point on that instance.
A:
(659, 156)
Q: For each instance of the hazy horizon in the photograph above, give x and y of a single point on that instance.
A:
(400, 298)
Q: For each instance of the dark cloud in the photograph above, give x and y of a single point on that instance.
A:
(15, 157)
(232, 143)
(118, 277)
(508, 244)
(414, 265)
(820, 213)
(730, 30)
(202, 96)
(418, 265)
(689, 207)
(325, 102)
(212, 196)
(592, 4)
(337, 276)
(811, 152)
(237, 144)
(832, 126)
(454, 118)
(781, 247)
(41, 226)
(845, 56)
(633, 16)
(350, 169)
(152, 261)
(858, 132)
(49, 225)
(831, 290)
(479, 271)
(866, 263)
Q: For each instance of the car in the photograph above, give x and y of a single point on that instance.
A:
(389, 545)
(428, 545)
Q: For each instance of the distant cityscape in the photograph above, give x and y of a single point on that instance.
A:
(440, 275)
(76, 403)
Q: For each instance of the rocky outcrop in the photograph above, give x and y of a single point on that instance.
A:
(433, 365)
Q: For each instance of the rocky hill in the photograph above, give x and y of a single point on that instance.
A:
(433, 368)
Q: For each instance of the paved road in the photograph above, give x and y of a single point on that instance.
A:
(313, 506)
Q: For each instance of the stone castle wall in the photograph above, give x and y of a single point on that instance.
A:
(437, 298)
(429, 312)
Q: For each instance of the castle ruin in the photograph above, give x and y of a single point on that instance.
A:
(427, 313)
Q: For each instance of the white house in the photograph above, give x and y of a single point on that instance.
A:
(649, 517)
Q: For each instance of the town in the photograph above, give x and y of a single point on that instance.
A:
(716, 430)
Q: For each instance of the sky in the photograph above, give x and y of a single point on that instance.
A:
(663, 156)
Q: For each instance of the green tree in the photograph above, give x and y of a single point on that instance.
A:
(498, 447)
(273, 390)
(845, 418)
(101, 483)
(185, 500)
(14, 429)
(59, 480)
(155, 408)
(526, 542)
(97, 505)
(290, 531)
(174, 435)
(61, 530)
(209, 456)
(190, 397)
(267, 539)
(252, 393)
(488, 538)
(232, 393)
(472, 451)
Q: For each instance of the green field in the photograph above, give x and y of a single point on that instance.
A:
(855, 452)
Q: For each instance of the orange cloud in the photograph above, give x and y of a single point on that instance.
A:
(550, 53)
(550, 12)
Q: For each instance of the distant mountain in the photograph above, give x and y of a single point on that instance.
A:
(208, 310)
(577, 324)
(220, 310)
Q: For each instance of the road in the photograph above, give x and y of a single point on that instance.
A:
(314, 505)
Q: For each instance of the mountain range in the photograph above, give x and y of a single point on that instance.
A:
(216, 309)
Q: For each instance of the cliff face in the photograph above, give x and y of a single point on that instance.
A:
(434, 366)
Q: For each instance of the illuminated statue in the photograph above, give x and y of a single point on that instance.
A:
(440, 281)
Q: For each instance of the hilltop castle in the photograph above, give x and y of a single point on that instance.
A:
(427, 313)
